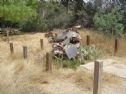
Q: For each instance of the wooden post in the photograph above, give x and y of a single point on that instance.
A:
(97, 85)
(116, 46)
(41, 44)
(11, 48)
(55, 34)
(88, 40)
(25, 52)
(48, 61)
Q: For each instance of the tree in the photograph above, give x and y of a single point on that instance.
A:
(78, 8)
(109, 21)
(98, 3)
(16, 11)
(66, 3)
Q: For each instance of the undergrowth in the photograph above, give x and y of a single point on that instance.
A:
(86, 54)
(89, 53)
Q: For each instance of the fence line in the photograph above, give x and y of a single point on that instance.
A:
(88, 41)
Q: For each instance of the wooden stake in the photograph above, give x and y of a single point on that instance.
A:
(116, 46)
(11, 48)
(25, 52)
(88, 40)
(48, 61)
(97, 85)
(41, 44)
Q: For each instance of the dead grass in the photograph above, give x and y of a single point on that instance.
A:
(18, 68)
(84, 79)
(110, 79)
(104, 41)
(19, 76)
(17, 73)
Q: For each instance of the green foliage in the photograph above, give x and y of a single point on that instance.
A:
(44, 15)
(124, 19)
(17, 10)
(119, 29)
(90, 52)
(55, 17)
(67, 63)
(35, 24)
(109, 20)
(74, 63)
(16, 13)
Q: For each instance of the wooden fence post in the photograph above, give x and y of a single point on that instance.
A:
(48, 61)
(11, 48)
(55, 34)
(25, 52)
(41, 44)
(97, 84)
(116, 46)
(87, 40)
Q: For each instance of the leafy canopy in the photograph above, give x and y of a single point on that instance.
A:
(17, 10)
(109, 20)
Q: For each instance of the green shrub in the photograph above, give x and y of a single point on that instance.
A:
(109, 20)
(16, 12)
(35, 24)
(119, 28)
(55, 17)
(89, 52)
(67, 63)
(29, 25)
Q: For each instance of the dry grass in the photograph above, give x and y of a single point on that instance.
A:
(19, 76)
(84, 79)
(104, 41)
(17, 73)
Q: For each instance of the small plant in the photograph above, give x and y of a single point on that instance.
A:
(67, 63)
(89, 52)
(73, 63)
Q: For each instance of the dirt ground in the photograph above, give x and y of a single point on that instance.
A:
(19, 76)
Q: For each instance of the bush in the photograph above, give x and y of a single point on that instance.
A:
(89, 52)
(55, 16)
(109, 20)
(35, 24)
(16, 12)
